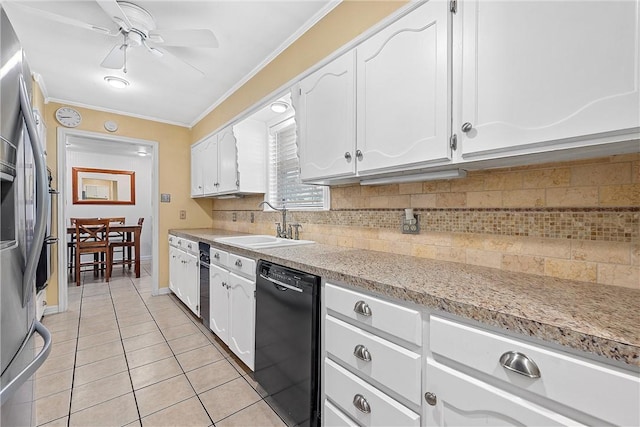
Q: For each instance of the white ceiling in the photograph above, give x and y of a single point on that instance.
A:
(249, 33)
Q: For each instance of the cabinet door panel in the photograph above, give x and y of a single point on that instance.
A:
(209, 165)
(465, 401)
(326, 115)
(174, 263)
(196, 171)
(242, 311)
(403, 91)
(227, 161)
(191, 283)
(535, 73)
(219, 302)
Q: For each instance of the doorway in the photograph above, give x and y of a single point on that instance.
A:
(91, 149)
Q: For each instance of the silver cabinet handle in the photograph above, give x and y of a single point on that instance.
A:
(347, 156)
(519, 363)
(359, 155)
(361, 404)
(238, 263)
(216, 255)
(466, 127)
(224, 285)
(431, 398)
(362, 353)
(189, 246)
(363, 308)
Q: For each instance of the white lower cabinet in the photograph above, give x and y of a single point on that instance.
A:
(461, 400)
(232, 305)
(184, 280)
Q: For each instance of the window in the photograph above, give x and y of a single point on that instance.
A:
(284, 172)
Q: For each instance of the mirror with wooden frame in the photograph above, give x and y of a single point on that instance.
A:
(103, 186)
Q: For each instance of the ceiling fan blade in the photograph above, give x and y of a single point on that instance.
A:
(115, 12)
(189, 38)
(68, 21)
(155, 51)
(115, 58)
(179, 62)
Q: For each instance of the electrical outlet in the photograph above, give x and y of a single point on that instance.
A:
(183, 214)
(253, 218)
(234, 217)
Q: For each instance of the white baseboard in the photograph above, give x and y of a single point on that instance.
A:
(51, 309)
(164, 291)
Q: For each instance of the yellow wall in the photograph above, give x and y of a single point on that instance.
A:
(174, 177)
(341, 25)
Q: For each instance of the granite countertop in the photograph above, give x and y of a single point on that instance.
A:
(598, 319)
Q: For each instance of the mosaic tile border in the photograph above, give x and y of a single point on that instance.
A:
(601, 224)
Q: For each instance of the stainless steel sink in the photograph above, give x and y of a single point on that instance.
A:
(261, 242)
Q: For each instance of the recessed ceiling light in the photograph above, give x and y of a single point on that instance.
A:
(279, 107)
(116, 82)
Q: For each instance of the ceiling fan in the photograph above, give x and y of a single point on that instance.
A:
(138, 28)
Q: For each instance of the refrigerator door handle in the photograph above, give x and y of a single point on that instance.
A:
(42, 199)
(32, 367)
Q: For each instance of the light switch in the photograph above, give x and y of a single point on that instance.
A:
(165, 198)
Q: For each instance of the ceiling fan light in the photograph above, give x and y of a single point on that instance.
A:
(116, 82)
(279, 107)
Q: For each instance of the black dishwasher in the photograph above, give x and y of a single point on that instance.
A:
(204, 283)
(288, 343)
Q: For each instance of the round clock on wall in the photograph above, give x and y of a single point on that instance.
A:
(68, 117)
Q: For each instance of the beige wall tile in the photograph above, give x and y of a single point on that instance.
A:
(470, 183)
(523, 263)
(423, 251)
(574, 270)
(483, 258)
(620, 195)
(552, 248)
(451, 200)
(436, 187)
(599, 174)
(410, 188)
(545, 178)
(523, 198)
(377, 202)
(434, 238)
(462, 240)
(423, 200)
(635, 172)
(401, 202)
(619, 275)
(345, 241)
(503, 181)
(609, 252)
(361, 243)
(484, 199)
(635, 253)
(388, 190)
(572, 197)
(451, 254)
(370, 190)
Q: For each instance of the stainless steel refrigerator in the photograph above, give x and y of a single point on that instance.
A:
(23, 217)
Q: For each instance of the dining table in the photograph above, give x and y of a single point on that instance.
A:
(131, 232)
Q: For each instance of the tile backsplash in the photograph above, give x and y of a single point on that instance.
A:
(576, 220)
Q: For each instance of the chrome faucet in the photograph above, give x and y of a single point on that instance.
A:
(281, 230)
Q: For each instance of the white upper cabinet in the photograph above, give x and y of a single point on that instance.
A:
(326, 117)
(230, 162)
(227, 162)
(536, 76)
(403, 100)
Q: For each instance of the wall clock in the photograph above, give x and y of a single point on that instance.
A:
(68, 117)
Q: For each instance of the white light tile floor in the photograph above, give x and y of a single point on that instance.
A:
(121, 357)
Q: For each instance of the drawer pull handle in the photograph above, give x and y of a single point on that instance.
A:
(238, 263)
(363, 308)
(361, 404)
(216, 255)
(519, 363)
(362, 353)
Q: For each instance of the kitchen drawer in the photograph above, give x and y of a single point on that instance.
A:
(188, 245)
(606, 393)
(399, 321)
(394, 366)
(342, 388)
(218, 257)
(242, 266)
(334, 417)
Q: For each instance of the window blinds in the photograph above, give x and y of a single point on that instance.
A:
(284, 172)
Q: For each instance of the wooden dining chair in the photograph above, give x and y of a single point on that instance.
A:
(92, 237)
(71, 248)
(127, 246)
